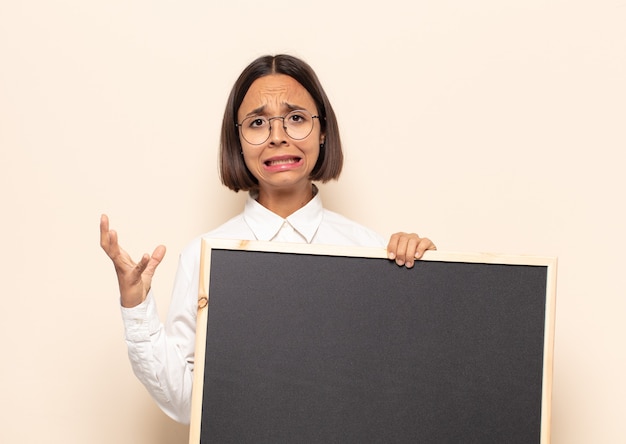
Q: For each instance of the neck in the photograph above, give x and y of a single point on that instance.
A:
(285, 202)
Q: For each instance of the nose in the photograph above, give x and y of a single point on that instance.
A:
(277, 135)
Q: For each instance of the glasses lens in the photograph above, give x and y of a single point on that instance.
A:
(297, 124)
(255, 129)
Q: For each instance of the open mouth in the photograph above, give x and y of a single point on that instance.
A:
(283, 161)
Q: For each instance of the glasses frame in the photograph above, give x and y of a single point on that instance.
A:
(269, 121)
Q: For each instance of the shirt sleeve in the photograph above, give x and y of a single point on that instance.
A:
(161, 355)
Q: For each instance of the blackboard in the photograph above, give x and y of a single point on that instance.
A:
(310, 344)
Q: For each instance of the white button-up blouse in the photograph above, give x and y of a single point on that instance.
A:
(162, 355)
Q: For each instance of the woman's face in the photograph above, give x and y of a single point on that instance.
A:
(280, 162)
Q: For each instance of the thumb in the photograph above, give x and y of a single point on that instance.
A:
(155, 259)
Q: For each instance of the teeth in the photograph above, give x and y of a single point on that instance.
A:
(281, 161)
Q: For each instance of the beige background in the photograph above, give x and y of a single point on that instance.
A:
(488, 126)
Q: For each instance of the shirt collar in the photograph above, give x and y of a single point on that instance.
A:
(265, 224)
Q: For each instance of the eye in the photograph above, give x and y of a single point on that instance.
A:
(256, 122)
(297, 117)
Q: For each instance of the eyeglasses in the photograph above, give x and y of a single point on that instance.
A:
(298, 124)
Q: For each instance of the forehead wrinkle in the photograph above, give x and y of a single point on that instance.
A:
(284, 106)
(272, 97)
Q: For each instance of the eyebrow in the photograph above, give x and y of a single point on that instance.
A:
(290, 107)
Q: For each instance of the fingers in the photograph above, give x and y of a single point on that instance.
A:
(104, 232)
(154, 260)
(122, 261)
(404, 248)
(141, 266)
(423, 245)
(108, 240)
(135, 283)
(134, 279)
(397, 247)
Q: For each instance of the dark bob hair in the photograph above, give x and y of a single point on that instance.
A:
(233, 171)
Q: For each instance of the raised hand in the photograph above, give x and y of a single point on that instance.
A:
(134, 279)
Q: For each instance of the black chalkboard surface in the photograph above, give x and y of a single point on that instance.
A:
(309, 344)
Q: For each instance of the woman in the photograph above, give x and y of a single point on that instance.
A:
(279, 135)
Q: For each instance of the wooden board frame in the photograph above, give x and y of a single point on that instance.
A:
(208, 245)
